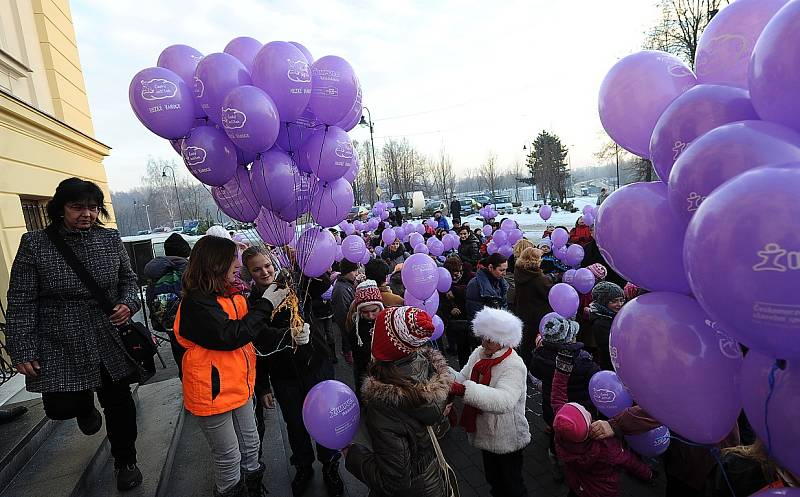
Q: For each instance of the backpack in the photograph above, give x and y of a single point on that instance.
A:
(167, 297)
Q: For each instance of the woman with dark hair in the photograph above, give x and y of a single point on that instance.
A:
(57, 333)
(489, 287)
(580, 234)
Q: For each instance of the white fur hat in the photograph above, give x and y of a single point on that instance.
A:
(498, 326)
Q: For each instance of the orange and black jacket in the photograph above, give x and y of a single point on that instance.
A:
(219, 367)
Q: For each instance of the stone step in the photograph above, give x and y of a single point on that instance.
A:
(21, 438)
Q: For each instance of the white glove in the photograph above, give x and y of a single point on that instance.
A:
(302, 335)
(275, 295)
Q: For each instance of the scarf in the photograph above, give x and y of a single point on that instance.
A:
(481, 374)
(601, 310)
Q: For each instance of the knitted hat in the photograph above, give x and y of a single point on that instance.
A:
(497, 325)
(399, 331)
(367, 293)
(598, 270)
(572, 422)
(559, 330)
(545, 241)
(346, 266)
(176, 245)
(631, 291)
(605, 291)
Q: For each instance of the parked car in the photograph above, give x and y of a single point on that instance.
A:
(482, 200)
(162, 229)
(432, 206)
(502, 204)
(177, 229)
(143, 232)
(468, 206)
(358, 212)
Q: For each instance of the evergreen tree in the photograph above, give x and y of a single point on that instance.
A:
(548, 167)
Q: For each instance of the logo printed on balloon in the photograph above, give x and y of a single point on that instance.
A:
(194, 156)
(775, 258)
(612, 353)
(604, 395)
(662, 440)
(343, 408)
(298, 71)
(199, 88)
(679, 70)
(233, 119)
(708, 62)
(694, 201)
(327, 74)
(344, 149)
(727, 345)
(158, 89)
(679, 147)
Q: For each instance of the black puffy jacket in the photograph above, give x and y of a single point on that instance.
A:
(402, 461)
(470, 251)
(543, 367)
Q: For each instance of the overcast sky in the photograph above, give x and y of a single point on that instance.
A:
(474, 77)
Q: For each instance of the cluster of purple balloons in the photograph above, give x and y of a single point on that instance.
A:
(503, 240)
(712, 240)
(487, 212)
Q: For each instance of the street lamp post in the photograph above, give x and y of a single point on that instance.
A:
(177, 196)
(147, 213)
(368, 122)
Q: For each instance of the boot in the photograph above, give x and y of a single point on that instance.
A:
(302, 478)
(128, 477)
(238, 490)
(91, 423)
(330, 476)
(254, 481)
(555, 467)
(332, 346)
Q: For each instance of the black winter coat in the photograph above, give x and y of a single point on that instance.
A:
(402, 461)
(530, 305)
(600, 328)
(543, 367)
(470, 251)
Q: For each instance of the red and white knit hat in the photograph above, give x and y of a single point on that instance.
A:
(367, 293)
(598, 270)
(399, 331)
(572, 422)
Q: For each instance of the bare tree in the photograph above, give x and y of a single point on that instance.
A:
(444, 179)
(490, 174)
(403, 167)
(364, 185)
(517, 173)
(681, 23)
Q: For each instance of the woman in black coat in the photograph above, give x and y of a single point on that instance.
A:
(530, 298)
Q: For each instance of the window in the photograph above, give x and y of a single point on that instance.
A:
(35, 213)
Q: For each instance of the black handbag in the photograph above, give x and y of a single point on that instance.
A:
(138, 344)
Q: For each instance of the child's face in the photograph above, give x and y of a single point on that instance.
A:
(233, 270)
(369, 312)
(261, 269)
(616, 304)
(545, 249)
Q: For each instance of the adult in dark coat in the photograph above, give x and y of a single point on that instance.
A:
(607, 300)
(455, 211)
(57, 334)
(530, 298)
(453, 311)
(469, 248)
(488, 287)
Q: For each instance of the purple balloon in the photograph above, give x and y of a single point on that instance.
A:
(694, 390)
(587, 209)
(292, 135)
(429, 305)
(445, 280)
(419, 276)
(636, 91)
(331, 202)
(316, 250)
(274, 178)
(378, 250)
(421, 248)
(334, 88)
(608, 394)
(487, 230)
(419, 228)
(505, 251)
(339, 254)
(435, 246)
(281, 70)
(353, 248)
(560, 237)
(697, 111)
(328, 154)
(514, 236)
(561, 253)
(209, 155)
(545, 319)
(415, 239)
(545, 212)
(272, 229)
(583, 281)
(640, 237)
(778, 492)
(774, 74)
(508, 224)
(236, 199)
(245, 49)
(588, 219)
(569, 277)
(162, 102)
(784, 426)
(353, 116)
(651, 443)
(564, 300)
(304, 50)
(303, 195)
(724, 153)
(724, 49)
(245, 158)
(366, 258)
(500, 237)
(250, 119)
(574, 255)
(215, 76)
(182, 60)
(492, 248)
(763, 313)
(331, 414)
(438, 327)
(388, 236)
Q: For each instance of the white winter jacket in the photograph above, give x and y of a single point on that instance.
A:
(501, 428)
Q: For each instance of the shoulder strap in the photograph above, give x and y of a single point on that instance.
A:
(80, 270)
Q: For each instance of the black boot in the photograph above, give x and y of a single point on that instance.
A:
(91, 423)
(330, 475)
(332, 347)
(238, 490)
(254, 481)
(128, 477)
(302, 478)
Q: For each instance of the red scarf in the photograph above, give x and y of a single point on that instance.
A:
(481, 374)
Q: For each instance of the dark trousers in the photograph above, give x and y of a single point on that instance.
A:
(290, 395)
(465, 343)
(118, 407)
(504, 474)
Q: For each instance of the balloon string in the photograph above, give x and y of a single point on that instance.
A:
(715, 453)
(779, 364)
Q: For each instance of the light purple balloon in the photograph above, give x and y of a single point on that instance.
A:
(331, 414)
(274, 178)
(378, 251)
(651, 443)
(762, 314)
(339, 255)
(698, 110)
(564, 300)
(435, 246)
(359, 225)
(353, 116)
(304, 50)
(429, 305)
(250, 119)
(784, 426)
(569, 277)
(694, 390)
(348, 229)
(774, 74)
(331, 202)
(514, 236)
(561, 253)
(388, 236)
(587, 209)
(500, 238)
(316, 250)
(505, 251)
(281, 70)
(162, 102)
(303, 194)
(545, 212)
(415, 239)
(724, 49)
(445, 280)
(640, 237)
(608, 394)
(273, 230)
(588, 219)
(778, 492)
(292, 135)
(216, 75)
(353, 248)
(508, 224)
(583, 281)
(487, 230)
(245, 49)
(438, 328)
(328, 154)
(636, 91)
(420, 276)
(421, 248)
(334, 88)
(724, 153)
(492, 248)
(182, 60)
(419, 228)
(236, 199)
(366, 258)
(399, 232)
(574, 255)
(545, 319)
(244, 158)
(209, 155)
(560, 237)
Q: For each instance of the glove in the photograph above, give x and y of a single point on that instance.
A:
(458, 389)
(302, 335)
(565, 359)
(275, 295)
(348, 358)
